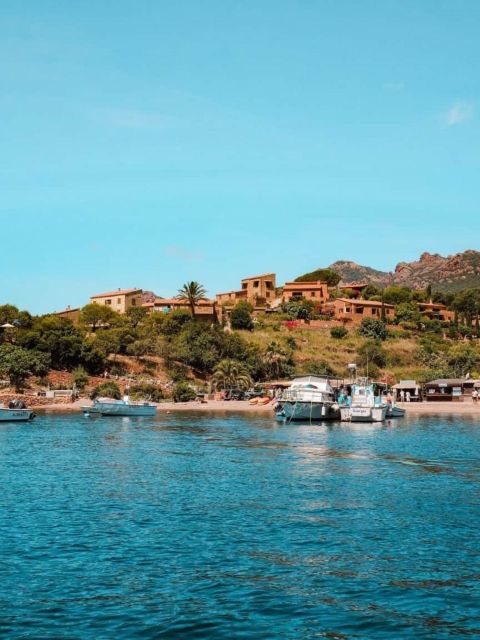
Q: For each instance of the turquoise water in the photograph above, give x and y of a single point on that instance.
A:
(200, 526)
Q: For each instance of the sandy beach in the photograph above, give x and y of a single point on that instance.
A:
(222, 406)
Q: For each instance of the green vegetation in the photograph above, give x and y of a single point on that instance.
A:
(339, 332)
(106, 390)
(193, 293)
(184, 392)
(241, 316)
(323, 275)
(178, 348)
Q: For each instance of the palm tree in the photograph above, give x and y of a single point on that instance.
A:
(231, 374)
(275, 359)
(192, 292)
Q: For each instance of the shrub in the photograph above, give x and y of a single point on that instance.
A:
(373, 328)
(338, 332)
(106, 390)
(241, 316)
(371, 352)
(183, 392)
(146, 390)
(80, 378)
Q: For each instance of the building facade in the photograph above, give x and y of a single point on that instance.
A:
(120, 300)
(315, 291)
(356, 310)
(204, 309)
(258, 290)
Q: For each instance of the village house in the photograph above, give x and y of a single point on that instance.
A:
(120, 300)
(315, 291)
(435, 311)
(204, 309)
(355, 290)
(258, 290)
(69, 313)
(356, 310)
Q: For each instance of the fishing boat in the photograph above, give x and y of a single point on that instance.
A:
(395, 412)
(109, 407)
(306, 399)
(16, 411)
(364, 405)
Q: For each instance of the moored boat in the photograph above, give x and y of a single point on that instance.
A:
(364, 405)
(109, 407)
(310, 398)
(16, 411)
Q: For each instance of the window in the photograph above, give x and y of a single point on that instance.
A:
(256, 284)
(312, 294)
(108, 301)
(134, 302)
(269, 284)
(359, 310)
(119, 301)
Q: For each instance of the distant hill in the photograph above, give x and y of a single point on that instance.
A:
(450, 273)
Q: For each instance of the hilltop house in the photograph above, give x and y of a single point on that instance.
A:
(69, 313)
(258, 290)
(120, 300)
(204, 309)
(315, 291)
(356, 310)
(435, 311)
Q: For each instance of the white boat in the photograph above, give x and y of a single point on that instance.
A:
(16, 412)
(365, 406)
(306, 399)
(109, 407)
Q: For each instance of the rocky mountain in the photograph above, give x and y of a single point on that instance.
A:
(450, 273)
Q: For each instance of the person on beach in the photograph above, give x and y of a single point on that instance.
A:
(402, 396)
(475, 396)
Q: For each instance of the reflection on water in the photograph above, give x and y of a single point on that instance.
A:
(199, 526)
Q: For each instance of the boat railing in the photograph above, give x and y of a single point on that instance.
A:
(305, 395)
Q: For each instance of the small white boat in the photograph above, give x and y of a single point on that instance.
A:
(16, 412)
(109, 407)
(306, 399)
(364, 405)
(395, 412)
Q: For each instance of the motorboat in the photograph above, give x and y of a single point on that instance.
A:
(109, 407)
(308, 398)
(364, 405)
(393, 411)
(17, 411)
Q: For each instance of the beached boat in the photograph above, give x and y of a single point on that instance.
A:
(109, 407)
(306, 399)
(16, 411)
(364, 405)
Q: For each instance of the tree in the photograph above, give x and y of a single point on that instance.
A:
(276, 360)
(18, 364)
(371, 352)
(231, 374)
(323, 275)
(373, 328)
(396, 295)
(407, 312)
(241, 316)
(371, 291)
(184, 392)
(136, 315)
(94, 315)
(299, 309)
(12, 315)
(192, 292)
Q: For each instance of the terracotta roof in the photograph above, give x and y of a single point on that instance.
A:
(317, 284)
(364, 303)
(67, 310)
(118, 292)
(263, 275)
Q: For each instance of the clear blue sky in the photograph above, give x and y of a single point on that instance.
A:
(146, 143)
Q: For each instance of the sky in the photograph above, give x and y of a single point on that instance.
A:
(149, 143)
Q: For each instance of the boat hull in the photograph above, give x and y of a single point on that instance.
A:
(363, 414)
(395, 412)
(307, 411)
(16, 415)
(121, 410)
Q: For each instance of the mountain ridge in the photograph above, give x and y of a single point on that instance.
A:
(448, 273)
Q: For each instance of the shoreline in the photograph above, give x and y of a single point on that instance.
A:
(239, 406)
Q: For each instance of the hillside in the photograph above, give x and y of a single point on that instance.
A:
(450, 273)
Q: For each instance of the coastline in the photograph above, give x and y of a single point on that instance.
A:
(235, 406)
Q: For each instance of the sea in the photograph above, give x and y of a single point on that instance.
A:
(198, 525)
